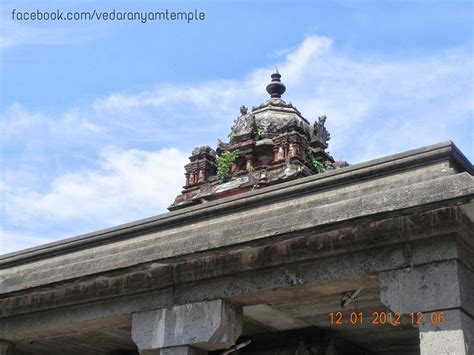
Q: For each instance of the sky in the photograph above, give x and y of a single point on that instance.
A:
(97, 118)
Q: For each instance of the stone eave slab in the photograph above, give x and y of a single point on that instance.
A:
(266, 222)
(445, 151)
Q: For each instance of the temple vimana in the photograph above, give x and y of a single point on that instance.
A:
(272, 248)
(270, 144)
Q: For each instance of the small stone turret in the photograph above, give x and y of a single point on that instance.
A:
(270, 144)
(202, 166)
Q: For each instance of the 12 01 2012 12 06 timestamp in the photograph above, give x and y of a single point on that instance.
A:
(381, 318)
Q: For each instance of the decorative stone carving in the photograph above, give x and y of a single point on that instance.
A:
(320, 134)
(281, 154)
(202, 176)
(244, 125)
(203, 149)
(202, 165)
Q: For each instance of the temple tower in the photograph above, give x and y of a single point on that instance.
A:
(270, 144)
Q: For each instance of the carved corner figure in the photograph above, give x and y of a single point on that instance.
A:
(320, 134)
(244, 125)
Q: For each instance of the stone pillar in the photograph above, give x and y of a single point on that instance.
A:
(248, 162)
(285, 150)
(191, 329)
(443, 293)
(6, 347)
(454, 337)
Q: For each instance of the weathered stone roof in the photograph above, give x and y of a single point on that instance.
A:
(271, 117)
(270, 144)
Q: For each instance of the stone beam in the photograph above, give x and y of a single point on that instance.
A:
(440, 299)
(245, 288)
(437, 235)
(208, 326)
(425, 288)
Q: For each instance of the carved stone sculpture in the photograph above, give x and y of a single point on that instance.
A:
(320, 133)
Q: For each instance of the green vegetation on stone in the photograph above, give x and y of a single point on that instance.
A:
(224, 165)
(314, 164)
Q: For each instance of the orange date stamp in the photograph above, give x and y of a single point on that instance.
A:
(381, 318)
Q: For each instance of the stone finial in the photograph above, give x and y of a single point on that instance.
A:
(276, 87)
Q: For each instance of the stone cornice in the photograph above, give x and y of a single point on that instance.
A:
(414, 159)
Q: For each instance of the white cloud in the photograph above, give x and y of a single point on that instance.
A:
(133, 179)
(375, 106)
(15, 32)
(11, 241)
(17, 120)
(127, 185)
(305, 56)
(363, 97)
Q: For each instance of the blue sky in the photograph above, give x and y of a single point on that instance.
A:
(97, 118)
